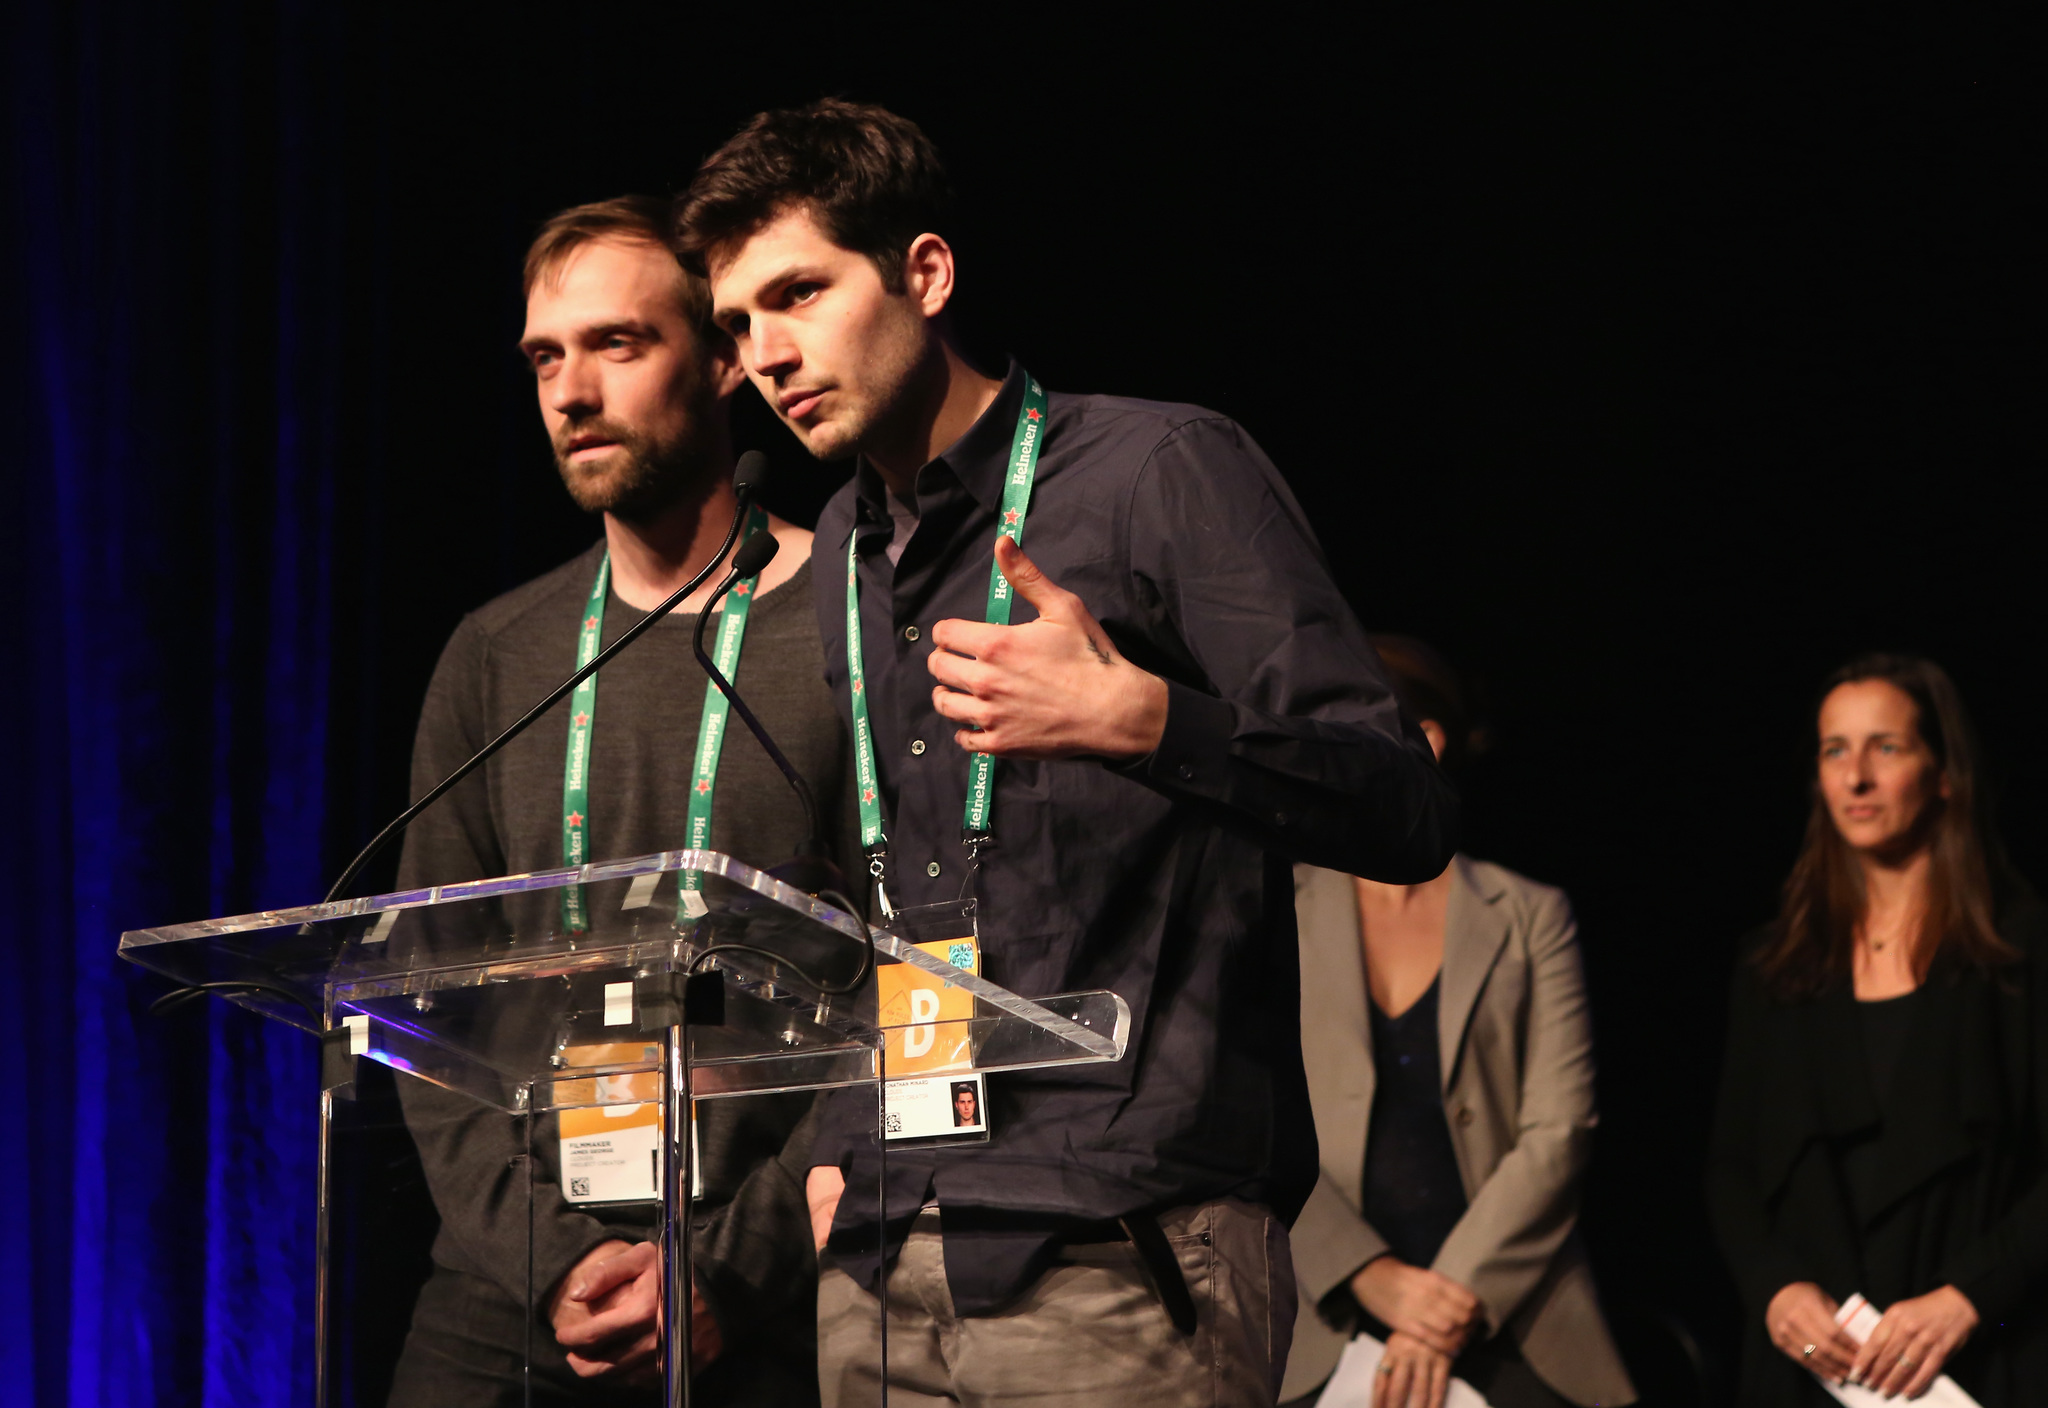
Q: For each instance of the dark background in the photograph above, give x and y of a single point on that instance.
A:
(1648, 367)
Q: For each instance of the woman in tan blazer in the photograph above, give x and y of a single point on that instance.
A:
(1450, 1067)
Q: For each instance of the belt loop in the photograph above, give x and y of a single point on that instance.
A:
(1167, 1277)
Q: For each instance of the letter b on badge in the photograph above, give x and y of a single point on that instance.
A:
(927, 1019)
(924, 1010)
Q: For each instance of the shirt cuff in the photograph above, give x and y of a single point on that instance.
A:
(1776, 1269)
(558, 1244)
(1331, 1242)
(1193, 756)
(841, 1131)
(1995, 1287)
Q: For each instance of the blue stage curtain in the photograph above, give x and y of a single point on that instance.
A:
(180, 253)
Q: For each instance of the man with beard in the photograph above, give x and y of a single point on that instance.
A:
(634, 387)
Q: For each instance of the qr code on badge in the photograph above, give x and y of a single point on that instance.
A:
(961, 956)
(579, 1187)
(892, 1122)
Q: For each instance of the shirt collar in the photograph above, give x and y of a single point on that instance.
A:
(979, 459)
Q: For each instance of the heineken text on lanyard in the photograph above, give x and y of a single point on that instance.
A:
(975, 825)
(732, 630)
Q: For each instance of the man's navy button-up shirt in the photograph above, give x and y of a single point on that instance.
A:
(1166, 879)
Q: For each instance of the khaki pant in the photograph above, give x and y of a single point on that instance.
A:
(1091, 1333)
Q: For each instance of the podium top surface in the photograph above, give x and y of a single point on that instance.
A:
(482, 985)
(660, 863)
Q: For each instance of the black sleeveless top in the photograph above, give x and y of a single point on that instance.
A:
(1413, 1192)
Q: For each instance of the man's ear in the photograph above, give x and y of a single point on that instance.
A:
(722, 358)
(928, 273)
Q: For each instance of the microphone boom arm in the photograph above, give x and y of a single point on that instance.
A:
(814, 842)
(561, 692)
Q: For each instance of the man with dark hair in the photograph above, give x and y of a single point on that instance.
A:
(1121, 772)
(634, 386)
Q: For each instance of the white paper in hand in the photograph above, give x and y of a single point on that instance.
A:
(1858, 1317)
(1357, 1372)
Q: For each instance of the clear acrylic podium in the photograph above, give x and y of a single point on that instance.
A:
(738, 987)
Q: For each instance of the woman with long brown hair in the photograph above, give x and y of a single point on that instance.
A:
(1883, 1122)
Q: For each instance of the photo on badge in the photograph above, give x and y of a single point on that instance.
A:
(937, 1110)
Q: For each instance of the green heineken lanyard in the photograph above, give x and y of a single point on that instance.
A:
(975, 827)
(576, 767)
(732, 630)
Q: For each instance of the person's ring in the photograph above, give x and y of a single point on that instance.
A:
(1808, 1351)
(1904, 1362)
(1385, 1367)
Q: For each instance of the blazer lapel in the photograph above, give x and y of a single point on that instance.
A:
(1336, 1034)
(1475, 931)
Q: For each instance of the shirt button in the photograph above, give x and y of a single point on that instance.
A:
(1464, 1114)
(1187, 772)
(917, 745)
(932, 870)
(910, 633)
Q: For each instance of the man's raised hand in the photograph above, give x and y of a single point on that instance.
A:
(1056, 687)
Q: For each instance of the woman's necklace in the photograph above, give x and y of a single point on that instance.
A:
(1876, 944)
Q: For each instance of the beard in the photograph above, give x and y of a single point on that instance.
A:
(643, 475)
(899, 372)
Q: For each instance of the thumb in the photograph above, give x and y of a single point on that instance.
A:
(612, 1272)
(1029, 582)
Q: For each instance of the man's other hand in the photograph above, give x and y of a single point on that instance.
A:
(822, 1190)
(1051, 688)
(606, 1313)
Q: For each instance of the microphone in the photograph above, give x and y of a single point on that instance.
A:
(812, 869)
(747, 477)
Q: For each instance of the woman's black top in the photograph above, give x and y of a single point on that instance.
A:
(1892, 1149)
(1414, 1194)
(1885, 1026)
